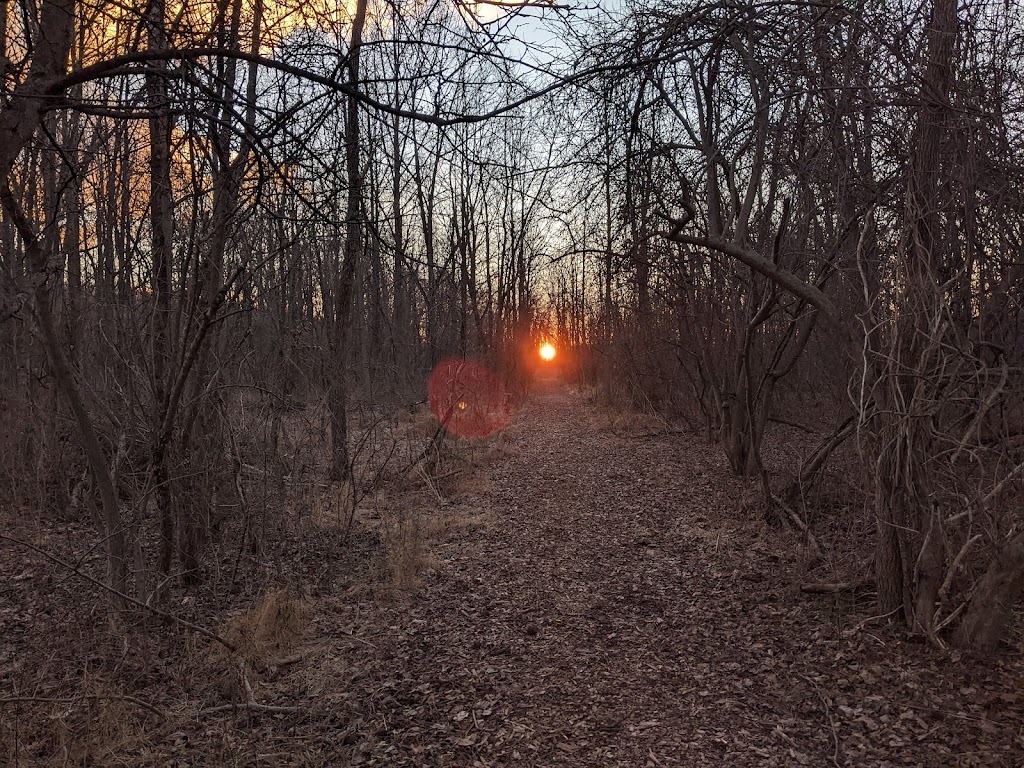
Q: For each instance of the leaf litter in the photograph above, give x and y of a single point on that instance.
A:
(628, 609)
(615, 602)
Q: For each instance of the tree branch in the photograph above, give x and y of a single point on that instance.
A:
(93, 580)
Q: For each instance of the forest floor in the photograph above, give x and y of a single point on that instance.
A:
(606, 596)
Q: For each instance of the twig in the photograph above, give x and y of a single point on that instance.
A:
(954, 614)
(71, 699)
(430, 484)
(786, 736)
(955, 566)
(825, 588)
(92, 579)
(358, 639)
(872, 619)
(287, 661)
(812, 541)
(951, 713)
(992, 494)
(794, 424)
(251, 706)
(831, 720)
(250, 703)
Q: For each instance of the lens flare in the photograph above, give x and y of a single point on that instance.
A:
(467, 399)
(547, 352)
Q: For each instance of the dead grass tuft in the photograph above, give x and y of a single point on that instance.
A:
(616, 421)
(461, 469)
(437, 498)
(331, 507)
(471, 483)
(263, 636)
(93, 726)
(406, 552)
(454, 520)
(416, 424)
(270, 629)
(408, 538)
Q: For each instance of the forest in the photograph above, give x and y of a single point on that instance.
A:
(511, 382)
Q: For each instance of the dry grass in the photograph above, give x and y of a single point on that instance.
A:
(412, 510)
(451, 521)
(330, 507)
(262, 636)
(497, 449)
(410, 537)
(416, 425)
(406, 552)
(622, 421)
(442, 497)
(271, 629)
(93, 726)
(470, 483)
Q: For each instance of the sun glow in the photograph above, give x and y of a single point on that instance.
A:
(547, 352)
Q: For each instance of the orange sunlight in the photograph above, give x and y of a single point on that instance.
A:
(547, 352)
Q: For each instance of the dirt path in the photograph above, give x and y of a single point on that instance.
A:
(623, 611)
(606, 597)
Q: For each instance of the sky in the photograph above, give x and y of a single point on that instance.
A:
(540, 30)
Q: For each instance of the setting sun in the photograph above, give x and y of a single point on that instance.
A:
(547, 351)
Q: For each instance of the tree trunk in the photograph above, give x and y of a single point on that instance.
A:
(987, 614)
(161, 209)
(338, 390)
(909, 558)
(20, 117)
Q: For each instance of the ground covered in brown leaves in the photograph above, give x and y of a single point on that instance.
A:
(609, 596)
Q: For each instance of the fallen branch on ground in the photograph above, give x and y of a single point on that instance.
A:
(249, 704)
(831, 588)
(794, 424)
(799, 523)
(71, 699)
(93, 580)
